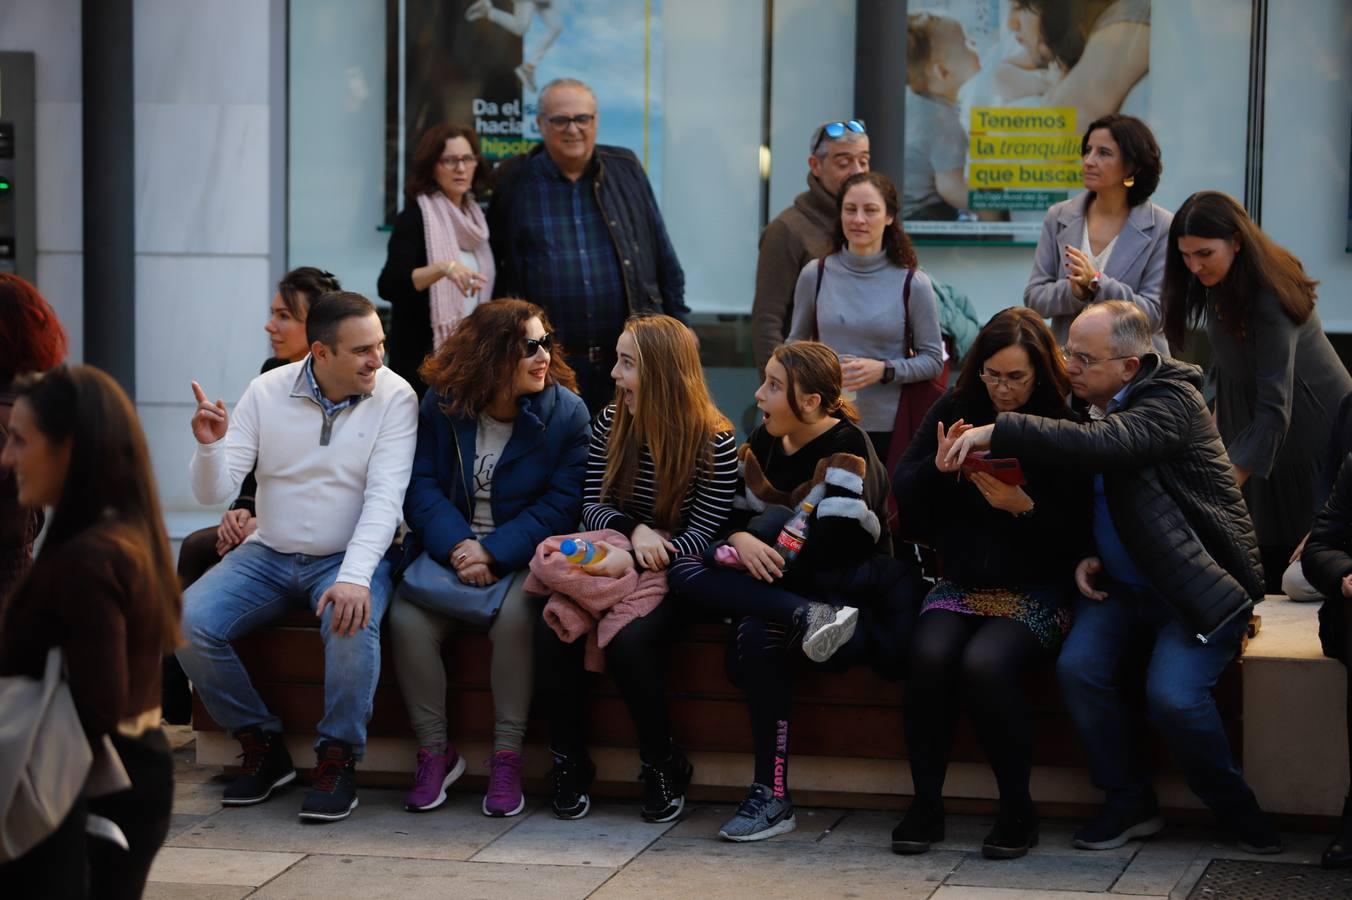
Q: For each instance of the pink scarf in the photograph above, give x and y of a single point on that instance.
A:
(447, 230)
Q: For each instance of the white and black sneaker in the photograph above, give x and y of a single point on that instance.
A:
(334, 794)
(266, 767)
(666, 783)
(572, 778)
(762, 815)
(825, 628)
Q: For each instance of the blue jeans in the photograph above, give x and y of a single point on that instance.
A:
(1180, 674)
(253, 586)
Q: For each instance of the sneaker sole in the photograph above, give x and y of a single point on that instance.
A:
(667, 816)
(250, 801)
(832, 636)
(783, 826)
(568, 817)
(451, 777)
(328, 817)
(1261, 851)
(911, 848)
(1148, 828)
(502, 814)
(994, 851)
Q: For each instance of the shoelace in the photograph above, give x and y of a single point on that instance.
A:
(327, 773)
(255, 751)
(424, 766)
(753, 805)
(500, 773)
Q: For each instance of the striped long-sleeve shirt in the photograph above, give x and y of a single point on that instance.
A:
(707, 502)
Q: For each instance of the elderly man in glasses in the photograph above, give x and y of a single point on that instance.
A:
(576, 230)
(1176, 573)
(803, 231)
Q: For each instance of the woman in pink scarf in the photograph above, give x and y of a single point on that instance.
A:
(439, 265)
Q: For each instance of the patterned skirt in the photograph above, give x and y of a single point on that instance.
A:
(1043, 610)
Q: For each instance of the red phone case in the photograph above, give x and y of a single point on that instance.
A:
(1007, 470)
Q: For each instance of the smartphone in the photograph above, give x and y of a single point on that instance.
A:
(1007, 470)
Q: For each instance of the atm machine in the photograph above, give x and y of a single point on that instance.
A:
(18, 184)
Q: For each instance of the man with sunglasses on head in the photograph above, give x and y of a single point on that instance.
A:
(575, 229)
(1176, 572)
(803, 232)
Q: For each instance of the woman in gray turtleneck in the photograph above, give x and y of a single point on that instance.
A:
(852, 302)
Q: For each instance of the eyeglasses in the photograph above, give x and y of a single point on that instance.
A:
(457, 162)
(1085, 362)
(561, 123)
(1008, 381)
(533, 346)
(836, 130)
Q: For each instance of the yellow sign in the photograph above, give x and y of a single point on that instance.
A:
(1024, 176)
(1032, 120)
(1042, 148)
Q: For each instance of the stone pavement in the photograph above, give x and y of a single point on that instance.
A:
(382, 851)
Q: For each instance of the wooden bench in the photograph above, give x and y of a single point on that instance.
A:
(847, 743)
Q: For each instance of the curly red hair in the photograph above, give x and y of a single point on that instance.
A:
(31, 336)
(480, 357)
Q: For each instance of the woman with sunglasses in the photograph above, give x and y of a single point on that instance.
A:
(439, 263)
(502, 453)
(864, 299)
(1007, 553)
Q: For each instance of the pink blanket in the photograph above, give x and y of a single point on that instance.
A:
(593, 606)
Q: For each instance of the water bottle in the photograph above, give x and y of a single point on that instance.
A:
(581, 553)
(793, 535)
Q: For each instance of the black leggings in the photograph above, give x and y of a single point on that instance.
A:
(720, 591)
(980, 660)
(636, 659)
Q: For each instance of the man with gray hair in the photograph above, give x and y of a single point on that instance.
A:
(803, 231)
(1176, 571)
(575, 229)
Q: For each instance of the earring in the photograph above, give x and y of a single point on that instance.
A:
(1129, 181)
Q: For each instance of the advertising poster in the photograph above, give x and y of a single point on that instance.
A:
(997, 98)
(483, 63)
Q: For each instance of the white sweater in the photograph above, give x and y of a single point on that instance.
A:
(317, 499)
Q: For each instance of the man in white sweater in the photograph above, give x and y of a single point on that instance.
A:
(331, 439)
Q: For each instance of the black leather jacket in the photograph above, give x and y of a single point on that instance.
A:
(1170, 487)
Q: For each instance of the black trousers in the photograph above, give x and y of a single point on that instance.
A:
(70, 864)
(1335, 635)
(196, 556)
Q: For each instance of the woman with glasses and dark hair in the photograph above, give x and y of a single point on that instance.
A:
(1107, 243)
(502, 454)
(104, 591)
(1278, 380)
(439, 264)
(1002, 606)
(863, 299)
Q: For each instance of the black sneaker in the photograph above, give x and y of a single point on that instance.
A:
(572, 778)
(1338, 854)
(334, 794)
(922, 825)
(266, 767)
(664, 797)
(1014, 833)
(1255, 833)
(1117, 823)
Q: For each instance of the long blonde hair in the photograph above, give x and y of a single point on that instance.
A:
(676, 418)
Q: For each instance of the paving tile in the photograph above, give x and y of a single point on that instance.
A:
(183, 865)
(683, 867)
(608, 837)
(163, 890)
(1161, 862)
(1082, 872)
(181, 822)
(967, 892)
(704, 822)
(197, 798)
(965, 833)
(1184, 885)
(1301, 847)
(384, 878)
(378, 827)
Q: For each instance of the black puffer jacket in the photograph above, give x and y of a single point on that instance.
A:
(1328, 552)
(1170, 487)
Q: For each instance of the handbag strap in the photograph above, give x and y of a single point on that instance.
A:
(908, 339)
(821, 270)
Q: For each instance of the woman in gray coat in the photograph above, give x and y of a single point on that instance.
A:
(1278, 380)
(1107, 243)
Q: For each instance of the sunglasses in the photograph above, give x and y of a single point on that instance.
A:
(836, 130)
(535, 345)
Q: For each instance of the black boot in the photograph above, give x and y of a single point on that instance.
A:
(1338, 855)
(1014, 833)
(922, 825)
(266, 767)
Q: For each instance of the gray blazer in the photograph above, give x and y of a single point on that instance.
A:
(1135, 271)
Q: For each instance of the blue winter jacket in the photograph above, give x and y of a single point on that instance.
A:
(537, 484)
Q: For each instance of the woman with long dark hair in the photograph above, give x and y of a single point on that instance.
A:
(861, 301)
(1278, 379)
(1002, 605)
(502, 453)
(104, 591)
(31, 340)
(438, 265)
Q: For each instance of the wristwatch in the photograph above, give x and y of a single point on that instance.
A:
(889, 373)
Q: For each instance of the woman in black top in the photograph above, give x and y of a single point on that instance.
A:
(1007, 554)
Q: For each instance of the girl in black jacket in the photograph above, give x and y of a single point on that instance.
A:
(1007, 554)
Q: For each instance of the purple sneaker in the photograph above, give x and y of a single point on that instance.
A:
(504, 797)
(436, 772)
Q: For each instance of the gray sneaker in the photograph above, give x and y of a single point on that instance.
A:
(826, 629)
(762, 815)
